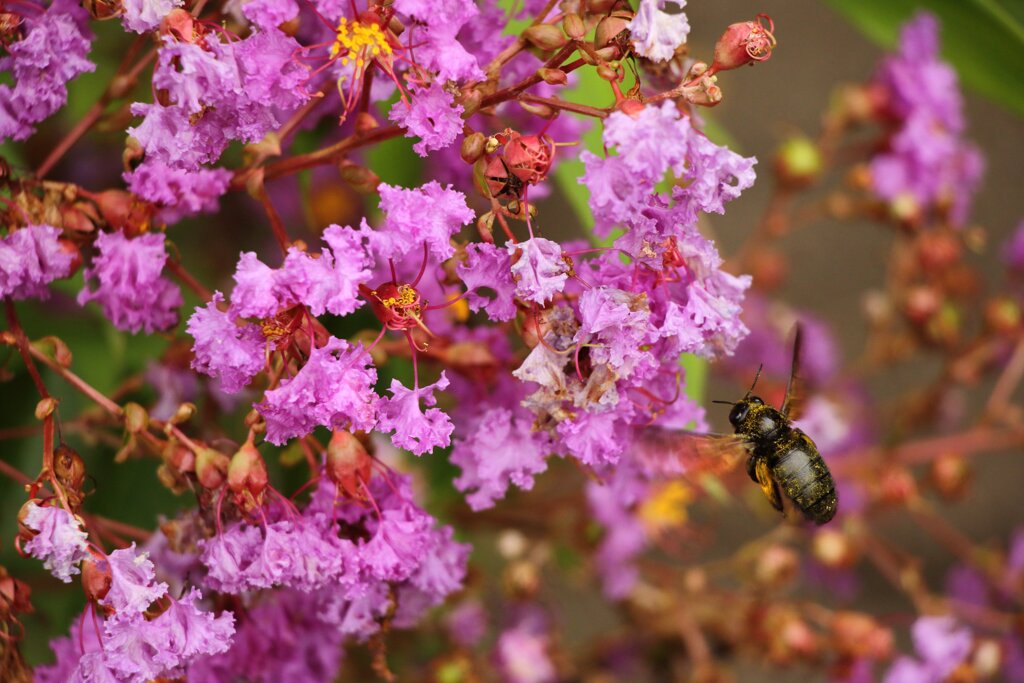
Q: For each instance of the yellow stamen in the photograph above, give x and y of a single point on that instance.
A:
(357, 41)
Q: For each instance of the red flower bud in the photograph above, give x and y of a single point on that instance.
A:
(529, 157)
(744, 43)
(247, 477)
(348, 463)
(96, 576)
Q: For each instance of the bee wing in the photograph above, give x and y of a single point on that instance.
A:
(674, 452)
(792, 404)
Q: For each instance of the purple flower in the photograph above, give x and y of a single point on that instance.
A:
(432, 115)
(538, 269)
(1013, 251)
(940, 644)
(618, 325)
(429, 214)
(488, 267)
(330, 282)
(30, 259)
(78, 657)
(414, 429)
(178, 192)
(397, 549)
(467, 623)
(502, 450)
(131, 291)
(271, 76)
(228, 556)
(613, 505)
(145, 15)
(60, 541)
(656, 34)
(133, 585)
(521, 652)
(225, 349)
(334, 389)
(269, 14)
(254, 294)
(927, 164)
(51, 53)
(439, 50)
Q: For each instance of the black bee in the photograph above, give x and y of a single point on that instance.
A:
(782, 459)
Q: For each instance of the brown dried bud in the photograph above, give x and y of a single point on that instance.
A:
(944, 327)
(743, 43)
(247, 477)
(789, 637)
(937, 250)
(348, 463)
(922, 303)
(574, 26)
(769, 268)
(473, 147)
(522, 579)
(211, 467)
(102, 9)
(184, 413)
(545, 36)
(950, 474)
(896, 485)
(14, 595)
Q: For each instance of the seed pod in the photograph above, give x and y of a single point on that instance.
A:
(348, 463)
(211, 467)
(529, 157)
(472, 147)
(613, 30)
(247, 477)
(743, 43)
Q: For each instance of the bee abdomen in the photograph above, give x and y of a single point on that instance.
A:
(805, 478)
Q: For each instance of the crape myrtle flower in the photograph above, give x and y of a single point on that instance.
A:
(539, 269)
(656, 33)
(60, 541)
(333, 389)
(129, 644)
(521, 651)
(130, 287)
(145, 15)
(1013, 250)
(941, 645)
(51, 53)
(224, 348)
(437, 48)
(415, 430)
(177, 192)
(927, 162)
(30, 259)
(432, 116)
(487, 266)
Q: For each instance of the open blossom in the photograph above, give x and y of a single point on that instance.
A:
(30, 259)
(131, 289)
(656, 33)
(432, 116)
(225, 349)
(333, 389)
(133, 585)
(60, 540)
(178, 192)
(941, 646)
(489, 268)
(539, 269)
(439, 49)
(416, 430)
(51, 53)
(427, 215)
(145, 15)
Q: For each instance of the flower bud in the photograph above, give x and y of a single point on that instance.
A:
(522, 579)
(360, 178)
(743, 43)
(574, 26)
(612, 29)
(896, 485)
(24, 533)
(1002, 315)
(472, 147)
(922, 303)
(857, 635)
(545, 36)
(184, 413)
(365, 122)
(348, 463)
(950, 475)
(211, 467)
(136, 419)
(537, 109)
(247, 477)
(96, 576)
(937, 250)
(798, 161)
(775, 566)
(45, 407)
(553, 76)
(833, 549)
(14, 595)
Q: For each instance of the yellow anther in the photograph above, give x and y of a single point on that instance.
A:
(357, 40)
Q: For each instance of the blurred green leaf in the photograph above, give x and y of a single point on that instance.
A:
(983, 39)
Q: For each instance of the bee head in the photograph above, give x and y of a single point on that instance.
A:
(741, 409)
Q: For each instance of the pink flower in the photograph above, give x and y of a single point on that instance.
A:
(133, 585)
(656, 34)
(538, 269)
(489, 268)
(414, 429)
(429, 214)
(432, 116)
(225, 349)
(30, 259)
(60, 540)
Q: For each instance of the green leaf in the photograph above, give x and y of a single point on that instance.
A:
(983, 39)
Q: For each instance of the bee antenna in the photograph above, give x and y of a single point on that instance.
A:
(756, 377)
(728, 403)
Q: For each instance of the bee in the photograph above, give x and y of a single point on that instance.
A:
(781, 459)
